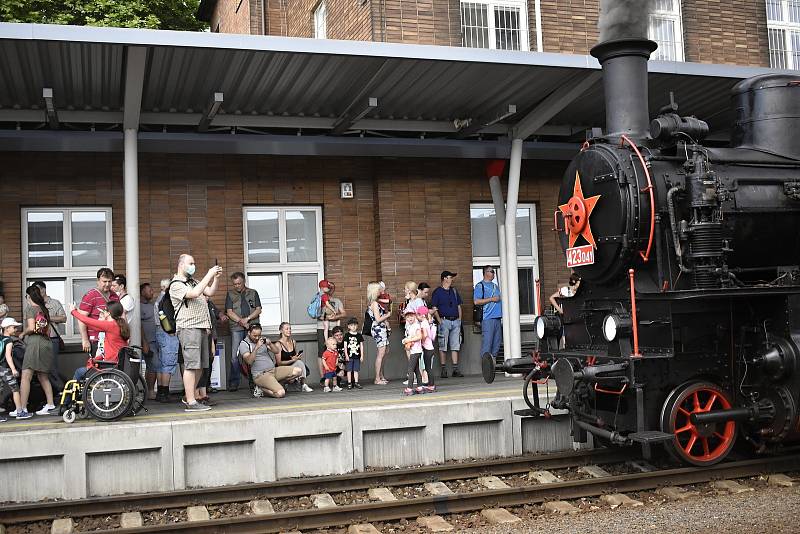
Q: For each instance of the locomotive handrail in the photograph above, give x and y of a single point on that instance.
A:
(555, 222)
(611, 391)
(625, 139)
(634, 319)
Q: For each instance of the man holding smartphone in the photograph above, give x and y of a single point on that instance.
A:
(268, 378)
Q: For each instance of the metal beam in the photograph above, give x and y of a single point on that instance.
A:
(211, 112)
(136, 60)
(478, 125)
(554, 103)
(50, 108)
(347, 119)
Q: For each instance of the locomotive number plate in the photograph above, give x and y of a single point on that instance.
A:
(578, 256)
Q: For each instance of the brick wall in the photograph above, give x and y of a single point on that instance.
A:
(436, 22)
(232, 16)
(275, 23)
(346, 19)
(409, 219)
(569, 26)
(738, 34)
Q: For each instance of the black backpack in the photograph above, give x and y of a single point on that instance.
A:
(366, 330)
(169, 311)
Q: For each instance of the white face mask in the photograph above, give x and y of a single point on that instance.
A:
(190, 270)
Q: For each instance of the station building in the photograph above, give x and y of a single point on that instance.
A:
(127, 148)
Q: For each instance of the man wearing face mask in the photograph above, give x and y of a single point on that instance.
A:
(193, 323)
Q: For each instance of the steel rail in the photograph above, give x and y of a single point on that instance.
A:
(467, 502)
(28, 512)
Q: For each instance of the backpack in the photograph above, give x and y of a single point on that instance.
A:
(17, 352)
(366, 330)
(169, 311)
(315, 306)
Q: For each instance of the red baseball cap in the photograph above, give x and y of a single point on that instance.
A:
(325, 283)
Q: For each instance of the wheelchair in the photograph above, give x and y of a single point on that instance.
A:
(108, 392)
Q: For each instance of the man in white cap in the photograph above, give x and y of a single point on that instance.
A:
(9, 374)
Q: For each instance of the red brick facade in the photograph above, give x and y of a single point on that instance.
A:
(714, 31)
(409, 219)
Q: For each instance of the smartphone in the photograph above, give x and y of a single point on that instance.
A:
(300, 353)
(216, 263)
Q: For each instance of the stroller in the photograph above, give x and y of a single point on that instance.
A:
(109, 391)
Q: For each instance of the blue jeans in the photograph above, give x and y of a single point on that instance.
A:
(235, 375)
(491, 335)
(166, 358)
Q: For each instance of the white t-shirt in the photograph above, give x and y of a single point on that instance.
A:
(128, 304)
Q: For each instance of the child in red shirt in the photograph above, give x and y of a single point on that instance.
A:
(329, 360)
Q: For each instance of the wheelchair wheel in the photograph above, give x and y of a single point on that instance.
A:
(108, 395)
(141, 394)
(69, 416)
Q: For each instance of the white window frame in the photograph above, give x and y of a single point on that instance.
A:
(523, 262)
(283, 266)
(68, 273)
(524, 28)
(321, 21)
(676, 16)
(788, 28)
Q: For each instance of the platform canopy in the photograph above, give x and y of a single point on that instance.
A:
(67, 86)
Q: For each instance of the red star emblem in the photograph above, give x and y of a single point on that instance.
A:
(576, 213)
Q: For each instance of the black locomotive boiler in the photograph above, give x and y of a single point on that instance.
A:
(686, 326)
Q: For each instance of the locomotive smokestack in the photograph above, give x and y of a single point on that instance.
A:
(623, 52)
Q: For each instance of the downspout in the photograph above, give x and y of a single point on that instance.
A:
(500, 215)
(514, 349)
(130, 174)
(263, 19)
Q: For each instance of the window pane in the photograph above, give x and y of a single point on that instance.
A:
(795, 50)
(79, 289)
(301, 236)
(794, 11)
(474, 25)
(55, 290)
(269, 291)
(263, 241)
(89, 246)
(662, 31)
(664, 5)
(527, 292)
(483, 223)
(524, 245)
(46, 239)
(774, 10)
(777, 52)
(302, 288)
(507, 31)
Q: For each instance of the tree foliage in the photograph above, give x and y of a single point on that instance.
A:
(155, 14)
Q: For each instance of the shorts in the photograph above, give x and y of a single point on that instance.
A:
(166, 358)
(271, 380)
(8, 380)
(380, 334)
(331, 374)
(195, 348)
(353, 366)
(450, 335)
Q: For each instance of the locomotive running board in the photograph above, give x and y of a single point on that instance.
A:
(649, 437)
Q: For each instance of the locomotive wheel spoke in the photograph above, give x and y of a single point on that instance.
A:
(710, 402)
(682, 410)
(688, 427)
(692, 441)
(705, 446)
(696, 402)
(720, 436)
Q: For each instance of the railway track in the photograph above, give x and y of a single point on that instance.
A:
(310, 518)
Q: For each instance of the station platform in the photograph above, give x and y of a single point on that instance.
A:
(245, 439)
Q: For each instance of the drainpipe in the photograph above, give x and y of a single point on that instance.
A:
(130, 174)
(500, 214)
(512, 276)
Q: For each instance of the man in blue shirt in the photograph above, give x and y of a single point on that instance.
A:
(487, 294)
(446, 304)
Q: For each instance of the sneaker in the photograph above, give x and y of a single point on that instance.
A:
(196, 407)
(327, 389)
(13, 414)
(349, 386)
(257, 393)
(307, 388)
(419, 390)
(162, 397)
(358, 386)
(3, 419)
(405, 382)
(444, 372)
(408, 392)
(24, 414)
(337, 388)
(430, 389)
(457, 374)
(46, 409)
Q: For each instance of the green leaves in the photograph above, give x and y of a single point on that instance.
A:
(154, 14)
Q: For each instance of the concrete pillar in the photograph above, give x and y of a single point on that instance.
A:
(514, 349)
(131, 179)
(500, 214)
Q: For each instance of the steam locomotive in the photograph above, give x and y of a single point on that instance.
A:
(685, 330)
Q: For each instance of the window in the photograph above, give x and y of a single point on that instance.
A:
(783, 23)
(666, 29)
(283, 261)
(494, 24)
(320, 21)
(64, 247)
(485, 251)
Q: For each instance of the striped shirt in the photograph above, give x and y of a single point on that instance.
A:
(93, 302)
(189, 313)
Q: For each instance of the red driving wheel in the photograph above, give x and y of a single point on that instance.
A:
(701, 444)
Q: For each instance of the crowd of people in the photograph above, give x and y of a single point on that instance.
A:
(31, 348)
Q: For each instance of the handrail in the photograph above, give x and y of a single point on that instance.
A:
(623, 139)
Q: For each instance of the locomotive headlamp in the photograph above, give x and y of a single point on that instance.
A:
(547, 325)
(615, 325)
